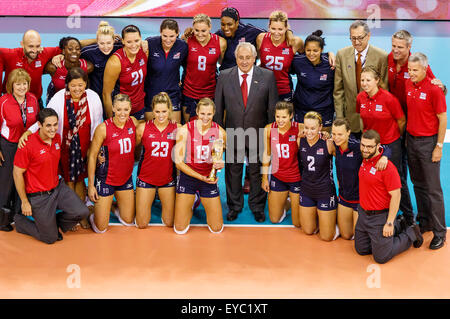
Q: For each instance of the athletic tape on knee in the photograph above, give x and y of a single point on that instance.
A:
(94, 227)
(215, 232)
(182, 232)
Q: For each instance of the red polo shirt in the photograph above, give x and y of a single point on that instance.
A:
(14, 59)
(375, 185)
(380, 113)
(397, 79)
(11, 122)
(41, 162)
(424, 100)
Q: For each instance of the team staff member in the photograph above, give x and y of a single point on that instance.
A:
(155, 171)
(127, 67)
(281, 140)
(71, 48)
(117, 138)
(318, 193)
(195, 142)
(167, 54)
(427, 124)
(205, 50)
(235, 32)
(31, 57)
(379, 194)
(18, 111)
(348, 160)
(40, 189)
(315, 81)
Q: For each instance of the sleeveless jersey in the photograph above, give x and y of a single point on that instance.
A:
(284, 149)
(156, 165)
(316, 168)
(132, 77)
(118, 148)
(59, 78)
(200, 77)
(278, 59)
(199, 147)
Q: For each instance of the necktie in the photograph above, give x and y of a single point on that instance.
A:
(358, 72)
(244, 89)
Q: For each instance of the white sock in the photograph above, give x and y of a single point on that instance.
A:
(215, 232)
(94, 227)
(337, 233)
(282, 216)
(181, 232)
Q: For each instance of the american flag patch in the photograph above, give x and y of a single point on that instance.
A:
(242, 39)
(141, 62)
(57, 146)
(212, 139)
(320, 151)
(170, 136)
(285, 51)
(292, 138)
(176, 56)
(130, 130)
(323, 77)
(212, 50)
(350, 154)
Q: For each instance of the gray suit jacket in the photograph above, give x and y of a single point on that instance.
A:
(345, 90)
(261, 100)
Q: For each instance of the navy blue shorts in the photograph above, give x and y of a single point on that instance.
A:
(106, 190)
(190, 185)
(139, 115)
(140, 183)
(278, 185)
(190, 104)
(324, 203)
(348, 204)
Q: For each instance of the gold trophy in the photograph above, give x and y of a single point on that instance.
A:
(216, 154)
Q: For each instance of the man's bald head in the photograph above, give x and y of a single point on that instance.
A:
(31, 44)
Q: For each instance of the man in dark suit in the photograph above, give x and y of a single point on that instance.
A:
(245, 102)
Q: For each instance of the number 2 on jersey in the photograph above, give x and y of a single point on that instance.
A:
(160, 149)
(311, 167)
(274, 63)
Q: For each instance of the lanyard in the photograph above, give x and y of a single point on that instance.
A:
(23, 110)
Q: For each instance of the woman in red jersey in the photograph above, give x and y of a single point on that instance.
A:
(18, 111)
(155, 171)
(281, 140)
(196, 141)
(116, 137)
(128, 67)
(205, 50)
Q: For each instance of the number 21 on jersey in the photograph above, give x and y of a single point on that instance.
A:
(138, 77)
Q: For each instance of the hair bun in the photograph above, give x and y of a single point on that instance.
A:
(317, 33)
(103, 24)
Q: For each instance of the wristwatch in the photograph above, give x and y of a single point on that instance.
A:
(440, 145)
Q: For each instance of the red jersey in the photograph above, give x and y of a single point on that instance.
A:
(200, 78)
(424, 100)
(375, 185)
(398, 79)
(278, 59)
(15, 58)
(59, 78)
(84, 133)
(132, 78)
(41, 163)
(380, 113)
(156, 165)
(199, 147)
(284, 149)
(12, 116)
(119, 152)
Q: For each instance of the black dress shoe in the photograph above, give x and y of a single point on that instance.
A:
(6, 228)
(60, 236)
(232, 215)
(259, 216)
(437, 242)
(419, 239)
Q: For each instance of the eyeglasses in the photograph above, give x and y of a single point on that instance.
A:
(353, 39)
(369, 147)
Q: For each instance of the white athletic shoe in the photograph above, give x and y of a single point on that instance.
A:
(337, 233)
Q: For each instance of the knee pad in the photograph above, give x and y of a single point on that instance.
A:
(181, 232)
(215, 232)
(94, 227)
